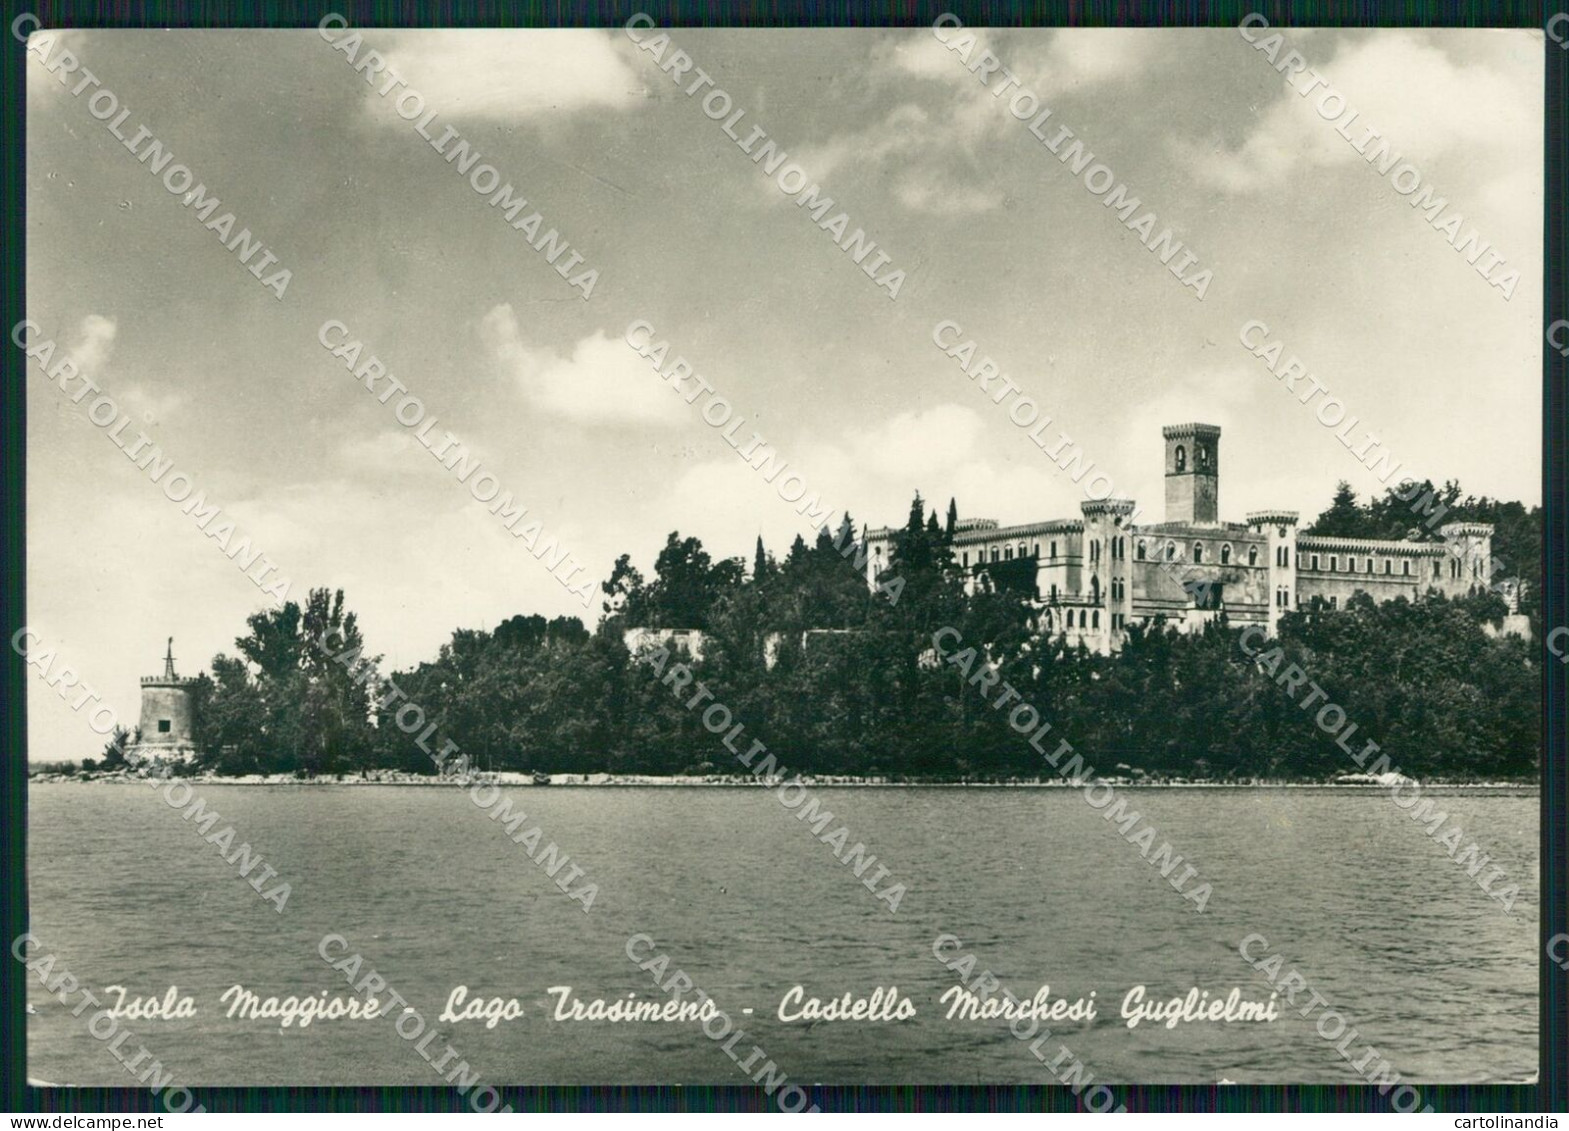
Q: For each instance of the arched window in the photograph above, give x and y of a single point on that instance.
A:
(1435, 567)
(1252, 555)
(1021, 549)
(1081, 618)
(1053, 592)
(994, 553)
(1225, 554)
(1171, 551)
(1095, 619)
(1036, 551)
(1198, 552)
(1007, 553)
(965, 556)
(1201, 457)
(1140, 549)
(1054, 551)
(1182, 458)
(1095, 590)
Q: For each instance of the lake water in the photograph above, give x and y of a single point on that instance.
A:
(747, 901)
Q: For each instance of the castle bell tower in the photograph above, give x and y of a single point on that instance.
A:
(1192, 473)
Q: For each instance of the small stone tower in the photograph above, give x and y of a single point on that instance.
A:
(1192, 473)
(168, 715)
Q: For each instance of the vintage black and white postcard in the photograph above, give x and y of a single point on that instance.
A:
(649, 555)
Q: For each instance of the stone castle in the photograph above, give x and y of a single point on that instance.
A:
(1097, 575)
(167, 729)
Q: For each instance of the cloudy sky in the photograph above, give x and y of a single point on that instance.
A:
(687, 233)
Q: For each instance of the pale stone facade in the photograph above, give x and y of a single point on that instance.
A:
(1096, 575)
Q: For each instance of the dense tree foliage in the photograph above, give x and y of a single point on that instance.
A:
(282, 705)
(839, 679)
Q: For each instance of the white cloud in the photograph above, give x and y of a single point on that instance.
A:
(384, 453)
(43, 87)
(873, 472)
(938, 199)
(149, 405)
(1427, 105)
(507, 76)
(94, 343)
(603, 381)
(1047, 63)
(1089, 57)
(933, 147)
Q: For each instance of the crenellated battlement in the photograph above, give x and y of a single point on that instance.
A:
(1272, 518)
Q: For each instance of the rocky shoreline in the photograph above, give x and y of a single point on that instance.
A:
(511, 779)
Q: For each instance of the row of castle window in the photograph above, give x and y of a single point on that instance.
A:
(1141, 552)
(1004, 553)
(1067, 619)
(1351, 566)
(1119, 590)
(1282, 557)
(1283, 600)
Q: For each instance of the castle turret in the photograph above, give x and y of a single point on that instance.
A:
(1192, 473)
(1280, 531)
(168, 723)
(1106, 575)
(1469, 564)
